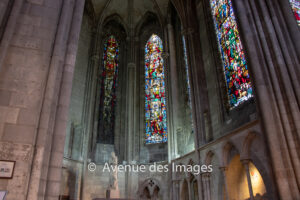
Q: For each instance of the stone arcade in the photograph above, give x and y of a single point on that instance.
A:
(202, 84)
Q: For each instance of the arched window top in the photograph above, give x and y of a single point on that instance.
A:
(295, 4)
(238, 84)
(108, 90)
(155, 101)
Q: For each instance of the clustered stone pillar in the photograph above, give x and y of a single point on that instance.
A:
(61, 119)
(275, 75)
(44, 137)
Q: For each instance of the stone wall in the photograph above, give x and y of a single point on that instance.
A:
(37, 49)
(23, 76)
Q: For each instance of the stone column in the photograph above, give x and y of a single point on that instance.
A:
(223, 170)
(61, 119)
(276, 94)
(44, 137)
(246, 166)
(174, 89)
(130, 110)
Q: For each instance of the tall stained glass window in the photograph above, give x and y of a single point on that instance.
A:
(296, 9)
(187, 71)
(155, 101)
(238, 84)
(108, 90)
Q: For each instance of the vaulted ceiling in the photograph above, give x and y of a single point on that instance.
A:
(105, 8)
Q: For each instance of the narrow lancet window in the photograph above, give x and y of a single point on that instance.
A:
(108, 91)
(155, 100)
(187, 72)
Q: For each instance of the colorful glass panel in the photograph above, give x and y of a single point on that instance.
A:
(155, 101)
(296, 9)
(108, 88)
(239, 87)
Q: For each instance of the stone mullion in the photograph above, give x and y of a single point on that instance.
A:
(287, 184)
(61, 119)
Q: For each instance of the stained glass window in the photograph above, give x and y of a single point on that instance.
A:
(238, 84)
(155, 101)
(187, 72)
(108, 89)
(296, 9)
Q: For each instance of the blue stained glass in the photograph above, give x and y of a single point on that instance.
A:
(155, 101)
